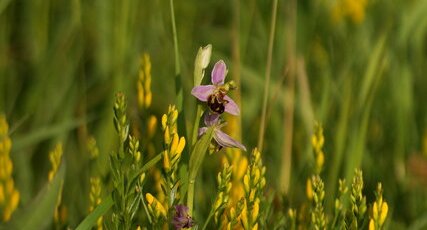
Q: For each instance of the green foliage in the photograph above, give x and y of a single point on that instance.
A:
(356, 67)
(38, 213)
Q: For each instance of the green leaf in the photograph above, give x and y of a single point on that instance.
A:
(43, 133)
(183, 175)
(99, 211)
(38, 214)
(199, 152)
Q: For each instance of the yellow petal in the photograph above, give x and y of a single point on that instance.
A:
(149, 198)
(152, 123)
(246, 183)
(371, 224)
(309, 189)
(174, 144)
(148, 99)
(166, 161)
(164, 121)
(181, 145)
(375, 211)
(384, 211)
(255, 210)
(140, 91)
(167, 136)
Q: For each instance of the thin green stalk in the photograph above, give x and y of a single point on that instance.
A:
(267, 76)
(178, 88)
(288, 108)
(145, 209)
(211, 213)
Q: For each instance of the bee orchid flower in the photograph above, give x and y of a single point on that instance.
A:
(221, 138)
(216, 94)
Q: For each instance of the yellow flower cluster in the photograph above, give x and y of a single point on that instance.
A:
(55, 160)
(353, 9)
(155, 208)
(95, 198)
(339, 202)
(318, 218)
(9, 195)
(232, 218)
(317, 141)
(92, 147)
(358, 200)
(174, 145)
(144, 82)
(236, 158)
(55, 155)
(379, 210)
(254, 183)
(151, 126)
(224, 187)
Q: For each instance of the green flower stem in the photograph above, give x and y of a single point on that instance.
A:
(196, 160)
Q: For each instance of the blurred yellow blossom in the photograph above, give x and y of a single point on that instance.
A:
(144, 82)
(379, 210)
(353, 9)
(55, 160)
(9, 195)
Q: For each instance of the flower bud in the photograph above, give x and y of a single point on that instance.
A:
(202, 61)
(384, 211)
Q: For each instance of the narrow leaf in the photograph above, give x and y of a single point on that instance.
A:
(38, 214)
(99, 211)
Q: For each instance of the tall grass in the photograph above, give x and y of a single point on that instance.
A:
(360, 74)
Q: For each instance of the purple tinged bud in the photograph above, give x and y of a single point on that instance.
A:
(181, 218)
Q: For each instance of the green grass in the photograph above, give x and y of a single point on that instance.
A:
(61, 64)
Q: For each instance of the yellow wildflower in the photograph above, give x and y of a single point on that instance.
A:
(55, 160)
(144, 82)
(9, 195)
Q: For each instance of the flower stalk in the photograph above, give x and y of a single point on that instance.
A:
(127, 170)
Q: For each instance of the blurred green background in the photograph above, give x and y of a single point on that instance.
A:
(356, 66)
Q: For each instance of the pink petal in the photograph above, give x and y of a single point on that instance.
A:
(202, 92)
(231, 107)
(226, 141)
(218, 73)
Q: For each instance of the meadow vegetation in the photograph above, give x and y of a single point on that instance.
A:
(211, 114)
